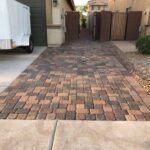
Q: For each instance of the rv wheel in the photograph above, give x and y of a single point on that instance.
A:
(29, 49)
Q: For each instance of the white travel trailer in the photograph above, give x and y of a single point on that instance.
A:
(15, 26)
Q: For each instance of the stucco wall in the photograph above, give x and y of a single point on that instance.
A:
(56, 22)
(65, 5)
(121, 5)
(136, 5)
(48, 12)
(140, 4)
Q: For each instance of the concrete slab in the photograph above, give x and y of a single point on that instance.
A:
(26, 135)
(12, 63)
(125, 46)
(80, 135)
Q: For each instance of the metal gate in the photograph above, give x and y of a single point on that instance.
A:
(72, 26)
(133, 24)
(105, 25)
(118, 26)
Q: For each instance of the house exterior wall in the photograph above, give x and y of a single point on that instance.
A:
(119, 5)
(56, 22)
(98, 7)
(122, 5)
(140, 5)
(133, 5)
(48, 12)
(65, 5)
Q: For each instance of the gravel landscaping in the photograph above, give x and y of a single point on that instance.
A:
(136, 63)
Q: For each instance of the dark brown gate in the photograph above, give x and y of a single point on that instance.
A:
(133, 24)
(91, 21)
(96, 32)
(72, 26)
(105, 25)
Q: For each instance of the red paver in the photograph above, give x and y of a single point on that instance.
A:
(80, 81)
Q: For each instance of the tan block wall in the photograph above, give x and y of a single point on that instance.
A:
(113, 6)
(121, 5)
(140, 4)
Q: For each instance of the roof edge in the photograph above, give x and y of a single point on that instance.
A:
(71, 3)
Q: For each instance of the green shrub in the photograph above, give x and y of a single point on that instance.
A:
(143, 45)
(83, 23)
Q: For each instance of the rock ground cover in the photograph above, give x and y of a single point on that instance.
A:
(137, 64)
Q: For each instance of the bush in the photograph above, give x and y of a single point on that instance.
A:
(83, 23)
(143, 45)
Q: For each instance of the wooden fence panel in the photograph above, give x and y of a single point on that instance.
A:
(118, 26)
(107, 26)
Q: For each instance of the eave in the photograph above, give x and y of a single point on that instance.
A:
(71, 3)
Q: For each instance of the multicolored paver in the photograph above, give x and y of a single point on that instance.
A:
(80, 81)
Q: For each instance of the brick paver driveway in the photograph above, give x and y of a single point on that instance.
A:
(82, 81)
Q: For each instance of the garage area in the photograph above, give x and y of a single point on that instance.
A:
(38, 20)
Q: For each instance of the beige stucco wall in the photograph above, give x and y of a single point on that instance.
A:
(113, 6)
(48, 12)
(121, 5)
(65, 5)
(56, 22)
(140, 4)
(136, 5)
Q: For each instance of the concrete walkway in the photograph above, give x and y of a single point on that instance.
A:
(74, 135)
(125, 46)
(12, 63)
